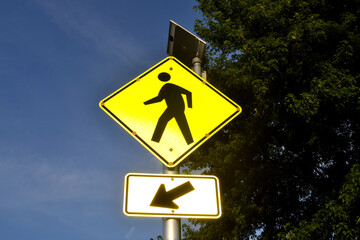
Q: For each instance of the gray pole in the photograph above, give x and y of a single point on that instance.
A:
(197, 65)
(171, 226)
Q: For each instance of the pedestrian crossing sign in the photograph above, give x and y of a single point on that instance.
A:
(170, 110)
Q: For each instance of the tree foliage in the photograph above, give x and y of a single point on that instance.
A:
(293, 66)
(339, 219)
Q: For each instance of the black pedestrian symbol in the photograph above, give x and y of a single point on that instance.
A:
(175, 108)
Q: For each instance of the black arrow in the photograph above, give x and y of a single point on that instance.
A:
(165, 199)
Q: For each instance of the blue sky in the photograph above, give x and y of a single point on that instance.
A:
(62, 159)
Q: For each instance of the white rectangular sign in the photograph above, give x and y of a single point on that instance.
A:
(175, 196)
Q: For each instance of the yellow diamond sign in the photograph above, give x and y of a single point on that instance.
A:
(170, 110)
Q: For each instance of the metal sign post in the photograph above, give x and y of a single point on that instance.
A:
(171, 226)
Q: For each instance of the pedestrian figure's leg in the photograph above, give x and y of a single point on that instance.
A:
(184, 127)
(160, 126)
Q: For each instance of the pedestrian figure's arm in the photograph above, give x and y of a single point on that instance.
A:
(189, 99)
(153, 100)
(188, 96)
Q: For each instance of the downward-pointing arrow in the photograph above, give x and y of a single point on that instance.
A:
(165, 199)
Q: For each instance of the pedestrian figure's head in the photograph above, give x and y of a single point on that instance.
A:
(164, 77)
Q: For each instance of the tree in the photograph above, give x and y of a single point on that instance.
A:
(339, 219)
(293, 66)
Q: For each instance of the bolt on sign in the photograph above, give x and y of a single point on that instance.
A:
(175, 196)
(170, 110)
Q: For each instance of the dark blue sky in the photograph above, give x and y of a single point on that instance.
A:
(62, 159)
